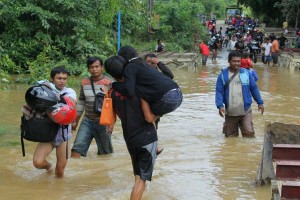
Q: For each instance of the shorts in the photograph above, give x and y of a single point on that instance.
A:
(62, 136)
(143, 160)
(268, 58)
(263, 58)
(244, 122)
(204, 59)
(88, 130)
(274, 57)
(168, 103)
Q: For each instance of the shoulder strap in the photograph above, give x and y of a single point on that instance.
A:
(22, 135)
(92, 84)
(63, 127)
(67, 152)
(231, 78)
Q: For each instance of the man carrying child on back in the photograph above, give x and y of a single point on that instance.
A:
(159, 91)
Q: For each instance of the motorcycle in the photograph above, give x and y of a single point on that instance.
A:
(254, 50)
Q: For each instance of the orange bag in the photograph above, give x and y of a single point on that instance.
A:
(108, 116)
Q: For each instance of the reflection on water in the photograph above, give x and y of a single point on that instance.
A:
(197, 163)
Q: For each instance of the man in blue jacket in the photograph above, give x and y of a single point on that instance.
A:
(235, 88)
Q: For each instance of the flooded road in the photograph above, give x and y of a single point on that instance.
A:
(197, 162)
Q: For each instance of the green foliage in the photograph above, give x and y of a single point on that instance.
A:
(289, 9)
(180, 24)
(272, 12)
(7, 65)
(40, 67)
(36, 36)
(4, 80)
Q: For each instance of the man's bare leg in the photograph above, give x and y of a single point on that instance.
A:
(138, 189)
(75, 155)
(61, 159)
(39, 157)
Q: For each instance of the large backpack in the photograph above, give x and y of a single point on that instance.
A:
(39, 128)
(212, 42)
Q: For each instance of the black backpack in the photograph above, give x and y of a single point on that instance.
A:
(212, 42)
(39, 128)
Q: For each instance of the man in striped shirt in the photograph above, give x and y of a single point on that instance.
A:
(90, 127)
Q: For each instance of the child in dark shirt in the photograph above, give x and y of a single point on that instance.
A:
(161, 92)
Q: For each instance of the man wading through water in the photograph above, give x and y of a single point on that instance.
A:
(138, 128)
(235, 88)
(59, 77)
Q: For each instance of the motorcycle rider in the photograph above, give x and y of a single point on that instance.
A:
(240, 45)
(232, 42)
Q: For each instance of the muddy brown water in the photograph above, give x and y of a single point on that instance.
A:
(197, 162)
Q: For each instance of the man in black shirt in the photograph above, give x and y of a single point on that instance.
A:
(282, 40)
(240, 45)
(138, 128)
(216, 44)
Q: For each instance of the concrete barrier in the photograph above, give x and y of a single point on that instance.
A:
(289, 59)
(275, 133)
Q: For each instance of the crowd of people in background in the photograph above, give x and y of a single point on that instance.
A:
(242, 33)
(139, 100)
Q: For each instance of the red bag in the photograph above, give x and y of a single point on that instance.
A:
(108, 116)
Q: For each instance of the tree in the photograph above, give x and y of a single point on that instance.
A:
(289, 9)
(58, 30)
(180, 22)
(264, 9)
(37, 35)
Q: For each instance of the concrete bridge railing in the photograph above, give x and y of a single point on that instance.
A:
(289, 59)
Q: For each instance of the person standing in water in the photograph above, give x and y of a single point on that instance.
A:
(235, 88)
(138, 128)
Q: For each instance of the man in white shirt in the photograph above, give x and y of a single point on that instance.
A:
(267, 46)
(58, 77)
(231, 43)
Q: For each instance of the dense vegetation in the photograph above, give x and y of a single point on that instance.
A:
(37, 35)
(275, 12)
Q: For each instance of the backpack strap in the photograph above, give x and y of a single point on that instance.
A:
(22, 135)
(67, 150)
(63, 127)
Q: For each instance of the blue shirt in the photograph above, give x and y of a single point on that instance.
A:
(249, 89)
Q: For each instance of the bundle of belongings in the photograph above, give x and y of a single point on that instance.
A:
(44, 113)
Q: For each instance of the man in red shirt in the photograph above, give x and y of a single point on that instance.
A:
(233, 21)
(204, 50)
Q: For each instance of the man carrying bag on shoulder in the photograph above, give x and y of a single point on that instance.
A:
(92, 89)
(235, 88)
